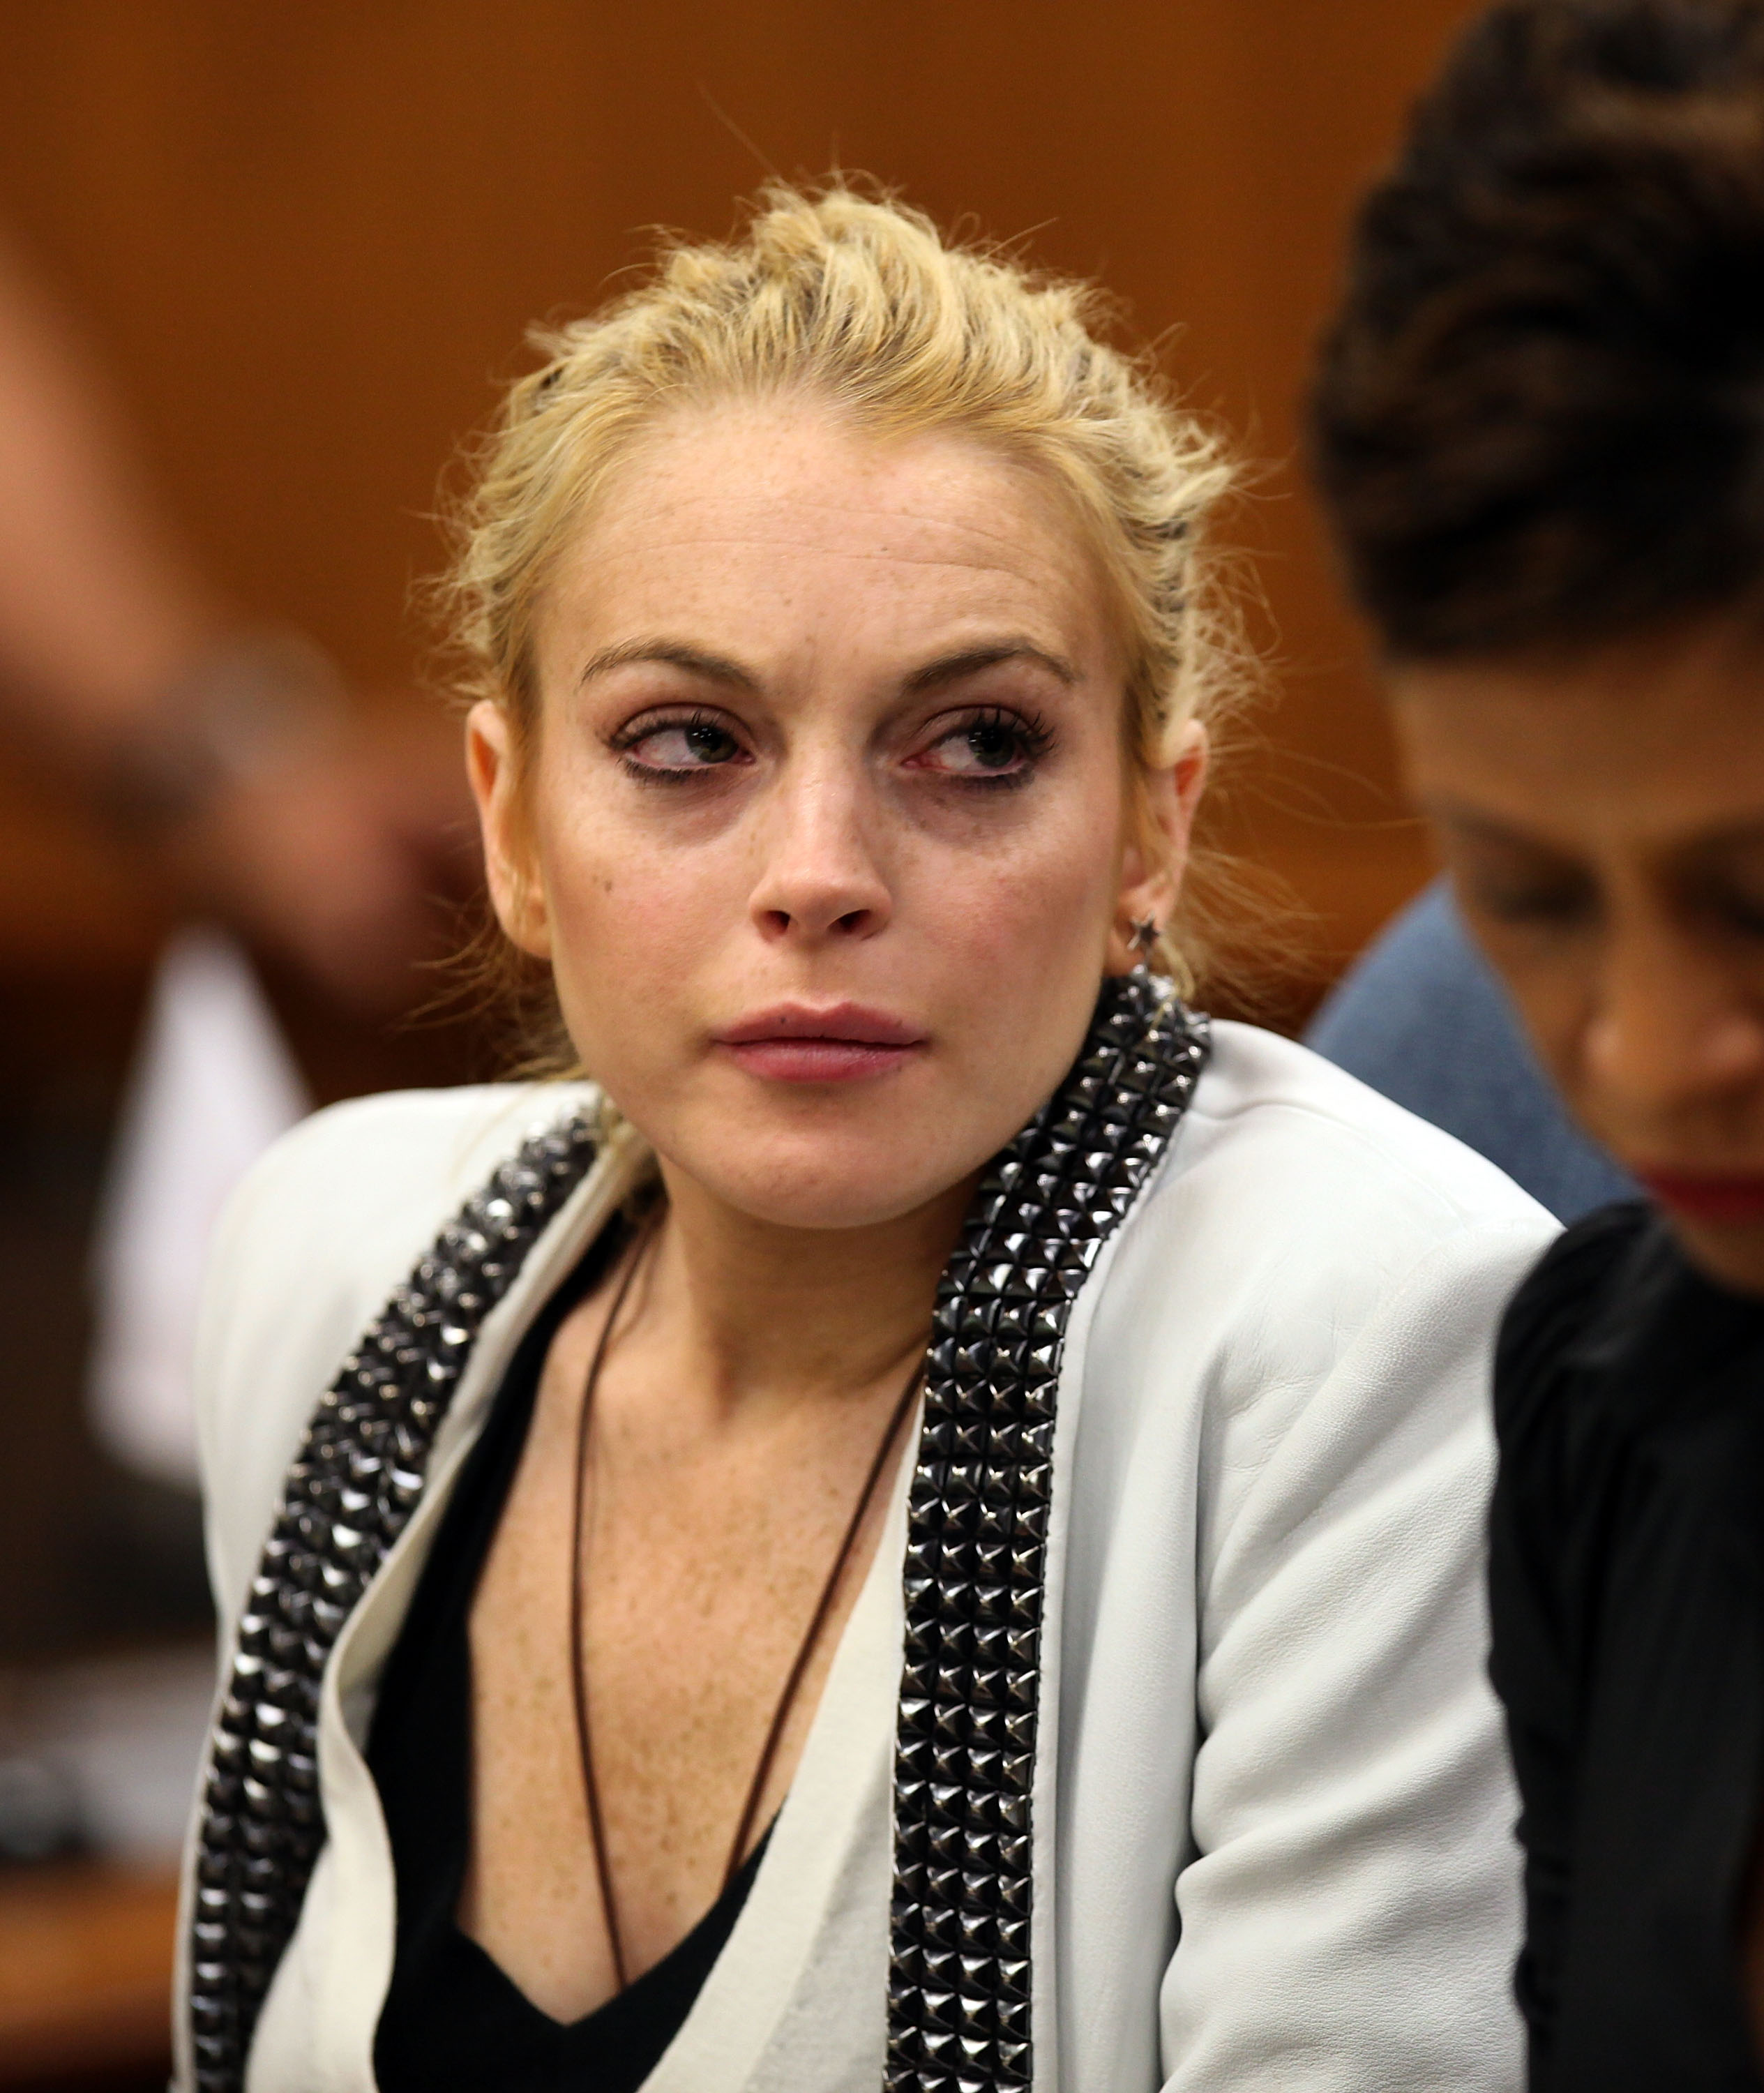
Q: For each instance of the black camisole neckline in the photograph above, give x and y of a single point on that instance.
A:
(452, 2020)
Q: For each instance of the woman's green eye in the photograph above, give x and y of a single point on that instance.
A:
(709, 742)
(675, 748)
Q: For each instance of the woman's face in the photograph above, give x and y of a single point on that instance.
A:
(1603, 820)
(824, 827)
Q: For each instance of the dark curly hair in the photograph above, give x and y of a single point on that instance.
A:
(1538, 418)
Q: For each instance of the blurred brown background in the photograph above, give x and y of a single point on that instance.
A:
(306, 240)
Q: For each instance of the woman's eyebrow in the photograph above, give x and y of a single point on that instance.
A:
(951, 668)
(696, 661)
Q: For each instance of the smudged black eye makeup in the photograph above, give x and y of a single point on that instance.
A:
(672, 747)
(990, 747)
(983, 748)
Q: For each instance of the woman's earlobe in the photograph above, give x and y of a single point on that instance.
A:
(1133, 938)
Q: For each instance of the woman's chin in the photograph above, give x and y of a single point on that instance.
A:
(1732, 1254)
(811, 1200)
(854, 1178)
(851, 1160)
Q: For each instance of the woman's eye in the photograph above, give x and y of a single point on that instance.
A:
(1556, 902)
(995, 747)
(680, 745)
(1738, 906)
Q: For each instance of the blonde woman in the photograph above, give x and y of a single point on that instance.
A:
(920, 1524)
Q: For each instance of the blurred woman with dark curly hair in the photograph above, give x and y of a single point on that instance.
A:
(1539, 425)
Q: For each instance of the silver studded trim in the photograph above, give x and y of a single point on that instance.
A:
(358, 1474)
(959, 1949)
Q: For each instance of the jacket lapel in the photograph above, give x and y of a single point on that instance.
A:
(959, 1994)
(360, 1472)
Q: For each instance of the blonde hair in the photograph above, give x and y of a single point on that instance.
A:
(858, 301)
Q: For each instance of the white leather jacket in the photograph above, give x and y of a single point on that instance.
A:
(1268, 1818)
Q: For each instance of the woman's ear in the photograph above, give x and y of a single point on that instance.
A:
(516, 894)
(1152, 864)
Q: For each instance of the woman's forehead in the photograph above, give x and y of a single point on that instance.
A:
(798, 475)
(764, 521)
(1658, 735)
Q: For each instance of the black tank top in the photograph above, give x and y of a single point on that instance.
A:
(452, 2022)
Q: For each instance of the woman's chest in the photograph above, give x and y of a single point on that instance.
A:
(649, 1639)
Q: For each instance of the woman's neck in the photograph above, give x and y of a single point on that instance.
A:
(762, 1314)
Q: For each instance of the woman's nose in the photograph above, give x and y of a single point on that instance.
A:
(1672, 1031)
(820, 878)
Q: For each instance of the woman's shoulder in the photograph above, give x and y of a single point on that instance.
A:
(1615, 1324)
(1292, 1132)
(1586, 1271)
(1311, 1287)
(349, 1200)
(325, 1226)
(375, 1178)
(1302, 1223)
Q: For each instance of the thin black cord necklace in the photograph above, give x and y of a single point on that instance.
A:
(793, 1682)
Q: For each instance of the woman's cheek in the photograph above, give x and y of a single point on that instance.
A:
(1049, 899)
(614, 928)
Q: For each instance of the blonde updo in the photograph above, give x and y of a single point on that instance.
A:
(859, 302)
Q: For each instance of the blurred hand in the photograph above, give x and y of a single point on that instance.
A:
(351, 859)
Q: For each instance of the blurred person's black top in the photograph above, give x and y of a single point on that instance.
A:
(1628, 1585)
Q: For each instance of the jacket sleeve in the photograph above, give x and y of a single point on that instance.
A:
(1348, 1922)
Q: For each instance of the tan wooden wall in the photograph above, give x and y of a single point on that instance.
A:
(308, 234)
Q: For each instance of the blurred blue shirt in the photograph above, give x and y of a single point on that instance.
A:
(1421, 1017)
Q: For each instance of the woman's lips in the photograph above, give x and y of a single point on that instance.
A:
(793, 1043)
(1722, 1200)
